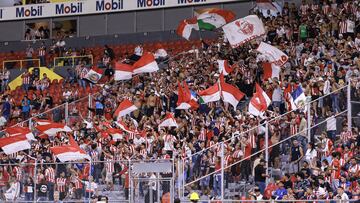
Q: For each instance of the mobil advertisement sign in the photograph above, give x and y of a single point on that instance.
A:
(88, 7)
(150, 3)
(72, 8)
(190, 1)
(32, 11)
(109, 5)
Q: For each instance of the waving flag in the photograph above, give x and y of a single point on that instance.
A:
(12, 131)
(115, 133)
(71, 152)
(273, 54)
(224, 67)
(259, 102)
(271, 70)
(243, 30)
(146, 64)
(124, 108)
(210, 19)
(14, 144)
(186, 99)
(186, 26)
(41, 121)
(123, 71)
(169, 121)
(230, 93)
(211, 94)
(53, 128)
(125, 128)
(298, 98)
(94, 75)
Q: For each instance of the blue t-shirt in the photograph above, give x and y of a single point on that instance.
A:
(25, 105)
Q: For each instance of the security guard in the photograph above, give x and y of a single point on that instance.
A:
(194, 197)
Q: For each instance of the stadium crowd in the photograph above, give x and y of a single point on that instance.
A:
(322, 42)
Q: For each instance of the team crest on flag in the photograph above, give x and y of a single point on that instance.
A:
(245, 27)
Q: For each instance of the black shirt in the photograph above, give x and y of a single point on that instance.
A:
(259, 170)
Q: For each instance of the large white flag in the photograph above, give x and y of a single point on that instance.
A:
(243, 30)
(273, 54)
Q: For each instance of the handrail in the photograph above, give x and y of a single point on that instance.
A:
(21, 62)
(254, 128)
(260, 151)
(73, 59)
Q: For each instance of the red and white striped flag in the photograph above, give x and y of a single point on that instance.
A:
(186, 26)
(94, 75)
(146, 64)
(12, 131)
(53, 128)
(230, 93)
(115, 133)
(271, 70)
(123, 71)
(14, 144)
(273, 54)
(124, 108)
(259, 102)
(169, 121)
(71, 152)
(124, 127)
(224, 67)
(41, 121)
(211, 94)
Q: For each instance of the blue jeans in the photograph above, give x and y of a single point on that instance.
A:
(335, 103)
(29, 196)
(217, 185)
(332, 134)
(261, 186)
(26, 87)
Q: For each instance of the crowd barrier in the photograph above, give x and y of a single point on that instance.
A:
(236, 177)
(22, 63)
(72, 60)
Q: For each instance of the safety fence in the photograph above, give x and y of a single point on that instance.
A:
(21, 63)
(225, 170)
(28, 179)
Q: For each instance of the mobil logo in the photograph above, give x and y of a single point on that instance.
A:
(72, 8)
(190, 1)
(32, 11)
(104, 5)
(150, 3)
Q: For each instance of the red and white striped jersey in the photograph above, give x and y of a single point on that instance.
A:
(237, 154)
(354, 169)
(109, 165)
(61, 184)
(78, 184)
(326, 9)
(304, 9)
(346, 136)
(202, 135)
(342, 27)
(169, 140)
(17, 173)
(328, 147)
(26, 78)
(50, 174)
(94, 155)
(143, 152)
(42, 51)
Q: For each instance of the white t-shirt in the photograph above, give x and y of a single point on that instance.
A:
(138, 51)
(138, 141)
(331, 123)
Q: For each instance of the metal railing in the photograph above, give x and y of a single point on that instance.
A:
(187, 164)
(71, 60)
(22, 62)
